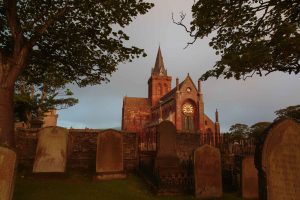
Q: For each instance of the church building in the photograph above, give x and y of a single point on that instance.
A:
(182, 105)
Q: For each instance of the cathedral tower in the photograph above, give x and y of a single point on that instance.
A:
(159, 83)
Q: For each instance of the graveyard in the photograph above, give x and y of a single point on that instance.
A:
(149, 100)
(52, 166)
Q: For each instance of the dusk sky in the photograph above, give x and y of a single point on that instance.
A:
(247, 102)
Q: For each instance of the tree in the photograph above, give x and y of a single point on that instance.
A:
(76, 41)
(292, 112)
(33, 101)
(239, 131)
(251, 36)
(258, 128)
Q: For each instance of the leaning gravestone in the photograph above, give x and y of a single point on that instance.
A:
(207, 170)
(166, 160)
(7, 171)
(51, 152)
(249, 178)
(278, 162)
(109, 161)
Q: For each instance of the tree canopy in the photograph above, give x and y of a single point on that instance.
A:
(257, 129)
(292, 112)
(251, 36)
(239, 131)
(78, 41)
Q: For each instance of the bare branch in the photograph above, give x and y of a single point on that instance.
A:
(180, 23)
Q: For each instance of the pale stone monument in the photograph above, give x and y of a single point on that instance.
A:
(109, 160)
(207, 170)
(278, 162)
(249, 178)
(7, 170)
(50, 118)
(51, 152)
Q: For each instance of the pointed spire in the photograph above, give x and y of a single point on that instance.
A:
(217, 115)
(159, 68)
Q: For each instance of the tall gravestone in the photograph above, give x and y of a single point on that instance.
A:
(7, 171)
(249, 178)
(109, 161)
(207, 170)
(278, 162)
(51, 152)
(166, 160)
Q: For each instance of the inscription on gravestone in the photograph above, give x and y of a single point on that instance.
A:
(109, 162)
(7, 170)
(281, 161)
(207, 169)
(51, 152)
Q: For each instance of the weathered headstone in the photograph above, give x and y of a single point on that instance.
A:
(7, 171)
(51, 152)
(109, 161)
(166, 160)
(249, 178)
(278, 162)
(208, 175)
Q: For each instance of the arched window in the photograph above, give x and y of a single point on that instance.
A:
(165, 88)
(188, 110)
(209, 137)
(159, 89)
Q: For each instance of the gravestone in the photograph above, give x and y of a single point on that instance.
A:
(7, 171)
(249, 178)
(207, 170)
(278, 162)
(109, 161)
(51, 152)
(166, 160)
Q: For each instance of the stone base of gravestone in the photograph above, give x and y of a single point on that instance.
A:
(109, 160)
(207, 170)
(51, 152)
(7, 171)
(167, 165)
(278, 161)
(249, 178)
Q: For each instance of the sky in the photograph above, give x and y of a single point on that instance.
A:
(247, 102)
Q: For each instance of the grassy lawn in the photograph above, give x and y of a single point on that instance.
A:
(79, 187)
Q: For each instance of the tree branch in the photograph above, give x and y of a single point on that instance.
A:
(10, 7)
(182, 17)
(51, 20)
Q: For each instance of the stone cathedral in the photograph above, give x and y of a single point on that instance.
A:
(182, 105)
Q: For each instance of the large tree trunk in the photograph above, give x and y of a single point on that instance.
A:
(10, 68)
(6, 116)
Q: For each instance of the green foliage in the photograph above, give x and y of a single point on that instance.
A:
(292, 112)
(251, 36)
(79, 41)
(239, 131)
(257, 129)
(32, 101)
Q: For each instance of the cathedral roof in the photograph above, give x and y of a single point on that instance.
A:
(159, 67)
(136, 102)
(172, 93)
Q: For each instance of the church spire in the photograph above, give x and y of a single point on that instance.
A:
(159, 68)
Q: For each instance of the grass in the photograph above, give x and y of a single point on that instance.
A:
(79, 187)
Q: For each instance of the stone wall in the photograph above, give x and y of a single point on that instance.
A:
(82, 147)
